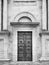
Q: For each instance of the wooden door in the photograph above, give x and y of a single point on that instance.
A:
(24, 46)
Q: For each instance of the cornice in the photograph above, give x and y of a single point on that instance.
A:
(4, 32)
(34, 24)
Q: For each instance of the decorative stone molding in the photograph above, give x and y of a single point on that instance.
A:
(34, 24)
(5, 60)
(44, 33)
(4, 32)
(24, 14)
(24, 0)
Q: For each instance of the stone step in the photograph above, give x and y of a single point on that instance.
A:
(35, 63)
(24, 63)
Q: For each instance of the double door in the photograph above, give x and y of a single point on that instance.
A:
(25, 46)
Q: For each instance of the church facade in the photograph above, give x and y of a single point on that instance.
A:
(24, 32)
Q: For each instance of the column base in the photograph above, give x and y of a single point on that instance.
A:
(5, 60)
(44, 59)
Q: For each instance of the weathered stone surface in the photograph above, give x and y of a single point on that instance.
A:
(20, 13)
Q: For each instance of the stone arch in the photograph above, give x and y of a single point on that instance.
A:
(24, 19)
(25, 15)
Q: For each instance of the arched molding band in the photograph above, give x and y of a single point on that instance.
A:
(24, 14)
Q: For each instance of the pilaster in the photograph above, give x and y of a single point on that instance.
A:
(44, 15)
(4, 14)
(0, 13)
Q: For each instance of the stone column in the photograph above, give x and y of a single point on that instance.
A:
(0, 14)
(4, 14)
(44, 15)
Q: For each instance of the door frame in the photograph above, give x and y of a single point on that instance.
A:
(31, 44)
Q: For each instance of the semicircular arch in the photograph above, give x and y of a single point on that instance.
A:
(25, 15)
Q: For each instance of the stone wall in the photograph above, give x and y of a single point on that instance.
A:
(14, 9)
(10, 42)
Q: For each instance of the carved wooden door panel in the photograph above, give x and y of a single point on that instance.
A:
(24, 46)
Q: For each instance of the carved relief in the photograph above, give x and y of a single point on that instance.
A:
(24, 0)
